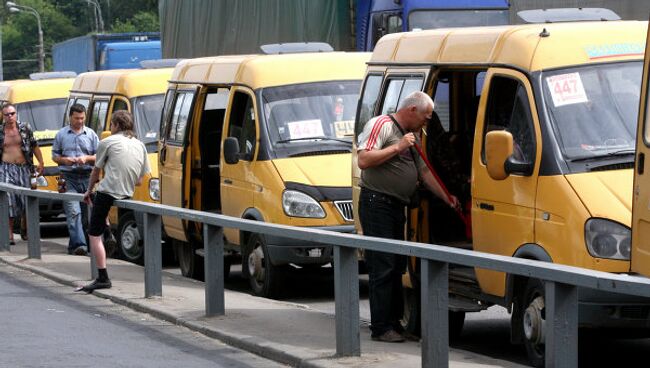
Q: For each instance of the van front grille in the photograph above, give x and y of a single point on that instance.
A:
(345, 209)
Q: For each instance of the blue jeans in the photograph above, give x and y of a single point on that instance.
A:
(383, 216)
(76, 213)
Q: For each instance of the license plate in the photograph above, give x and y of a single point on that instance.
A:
(315, 252)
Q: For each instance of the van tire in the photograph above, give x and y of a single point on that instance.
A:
(531, 314)
(190, 263)
(411, 319)
(265, 279)
(129, 238)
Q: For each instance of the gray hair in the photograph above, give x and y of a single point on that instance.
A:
(418, 99)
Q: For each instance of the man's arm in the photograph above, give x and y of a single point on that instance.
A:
(39, 158)
(372, 158)
(432, 184)
(94, 178)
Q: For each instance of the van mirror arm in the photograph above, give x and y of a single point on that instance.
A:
(514, 166)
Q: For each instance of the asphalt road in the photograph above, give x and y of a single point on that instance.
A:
(486, 333)
(44, 324)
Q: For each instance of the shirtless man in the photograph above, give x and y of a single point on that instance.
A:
(17, 145)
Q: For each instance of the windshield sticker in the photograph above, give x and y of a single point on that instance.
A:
(344, 128)
(151, 134)
(567, 89)
(614, 50)
(305, 129)
(45, 134)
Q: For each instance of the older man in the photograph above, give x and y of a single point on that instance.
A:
(389, 177)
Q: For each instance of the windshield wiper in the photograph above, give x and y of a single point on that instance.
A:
(623, 152)
(314, 138)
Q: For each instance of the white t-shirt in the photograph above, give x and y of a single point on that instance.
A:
(124, 161)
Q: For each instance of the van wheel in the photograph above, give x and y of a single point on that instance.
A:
(190, 263)
(533, 321)
(129, 239)
(265, 279)
(411, 319)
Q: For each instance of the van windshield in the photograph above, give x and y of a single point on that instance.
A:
(43, 116)
(593, 109)
(311, 117)
(441, 18)
(146, 112)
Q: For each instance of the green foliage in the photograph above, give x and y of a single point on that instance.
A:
(61, 20)
(142, 22)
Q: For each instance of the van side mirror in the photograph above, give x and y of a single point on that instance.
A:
(105, 134)
(231, 150)
(499, 147)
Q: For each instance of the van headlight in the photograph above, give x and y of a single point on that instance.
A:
(154, 189)
(608, 239)
(299, 204)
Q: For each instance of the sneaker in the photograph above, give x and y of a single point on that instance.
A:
(96, 284)
(81, 251)
(389, 336)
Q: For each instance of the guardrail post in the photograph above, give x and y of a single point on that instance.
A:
(214, 272)
(561, 325)
(4, 222)
(152, 256)
(33, 228)
(435, 313)
(346, 298)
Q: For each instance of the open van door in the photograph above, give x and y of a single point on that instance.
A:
(641, 200)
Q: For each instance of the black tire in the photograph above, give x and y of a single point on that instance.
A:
(129, 239)
(190, 263)
(532, 312)
(265, 279)
(456, 323)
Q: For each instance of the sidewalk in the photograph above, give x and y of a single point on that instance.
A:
(282, 331)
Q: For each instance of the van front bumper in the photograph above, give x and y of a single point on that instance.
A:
(284, 251)
(598, 309)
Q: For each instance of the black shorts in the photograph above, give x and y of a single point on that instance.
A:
(101, 205)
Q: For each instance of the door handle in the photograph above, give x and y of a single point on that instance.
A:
(162, 156)
(640, 163)
(227, 181)
(486, 206)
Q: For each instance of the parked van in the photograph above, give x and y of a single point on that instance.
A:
(534, 130)
(261, 137)
(141, 92)
(40, 102)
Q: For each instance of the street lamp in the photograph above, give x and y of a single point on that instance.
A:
(98, 14)
(16, 8)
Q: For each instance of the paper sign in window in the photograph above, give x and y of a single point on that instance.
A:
(566, 89)
(344, 128)
(305, 129)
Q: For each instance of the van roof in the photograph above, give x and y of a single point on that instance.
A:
(126, 82)
(24, 90)
(259, 71)
(526, 47)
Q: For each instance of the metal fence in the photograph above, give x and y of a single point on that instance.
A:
(561, 288)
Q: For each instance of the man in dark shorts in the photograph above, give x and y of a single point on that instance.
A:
(124, 161)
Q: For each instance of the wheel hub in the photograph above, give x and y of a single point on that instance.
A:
(255, 264)
(534, 322)
(130, 238)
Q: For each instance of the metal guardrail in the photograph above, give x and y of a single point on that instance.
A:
(561, 291)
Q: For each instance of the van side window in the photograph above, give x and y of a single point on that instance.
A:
(508, 109)
(398, 89)
(368, 102)
(179, 117)
(119, 104)
(98, 116)
(441, 103)
(167, 107)
(242, 125)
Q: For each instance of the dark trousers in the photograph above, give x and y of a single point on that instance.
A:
(383, 216)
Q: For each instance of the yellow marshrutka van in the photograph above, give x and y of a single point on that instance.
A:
(141, 92)
(534, 131)
(262, 137)
(40, 102)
